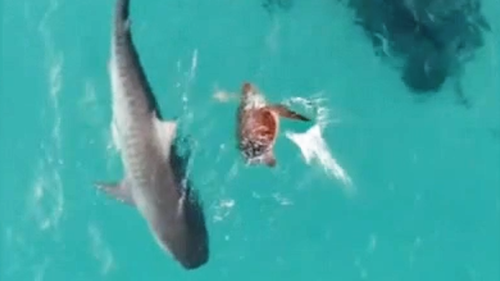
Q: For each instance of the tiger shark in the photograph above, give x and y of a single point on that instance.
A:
(152, 182)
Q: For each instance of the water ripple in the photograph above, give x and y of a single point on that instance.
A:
(47, 197)
(100, 250)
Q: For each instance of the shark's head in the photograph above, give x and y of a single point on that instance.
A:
(195, 248)
(190, 242)
(187, 238)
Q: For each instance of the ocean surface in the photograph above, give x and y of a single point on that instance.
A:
(381, 186)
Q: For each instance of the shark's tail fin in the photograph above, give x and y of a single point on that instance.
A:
(122, 17)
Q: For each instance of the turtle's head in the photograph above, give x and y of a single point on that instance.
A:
(251, 97)
(248, 90)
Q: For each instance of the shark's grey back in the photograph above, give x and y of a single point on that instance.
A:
(154, 174)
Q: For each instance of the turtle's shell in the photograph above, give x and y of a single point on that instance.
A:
(259, 131)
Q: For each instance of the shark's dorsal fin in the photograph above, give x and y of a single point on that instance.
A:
(120, 191)
(166, 132)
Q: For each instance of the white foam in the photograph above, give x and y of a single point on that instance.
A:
(223, 209)
(100, 250)
(223, 96)
(315, 149)
(194, 66)
(47, 197)
(47, 202)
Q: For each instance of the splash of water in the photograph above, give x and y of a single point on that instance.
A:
(223, 209)
(188, 80)
(224, 96)
(313, 146)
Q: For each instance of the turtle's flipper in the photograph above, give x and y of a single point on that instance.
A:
(284, 111)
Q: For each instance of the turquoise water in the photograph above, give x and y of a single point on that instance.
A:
(422, 203)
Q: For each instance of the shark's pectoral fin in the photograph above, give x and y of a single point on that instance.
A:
(119, 191)
(284, 111)
(166, 132)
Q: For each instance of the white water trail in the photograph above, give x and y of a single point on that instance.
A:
(47, 197)
(313, 146)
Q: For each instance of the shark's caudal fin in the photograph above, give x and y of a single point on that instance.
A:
(284, 111)
(122, 12)
(120, 191)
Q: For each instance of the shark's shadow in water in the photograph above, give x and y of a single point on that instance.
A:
(431, 39)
